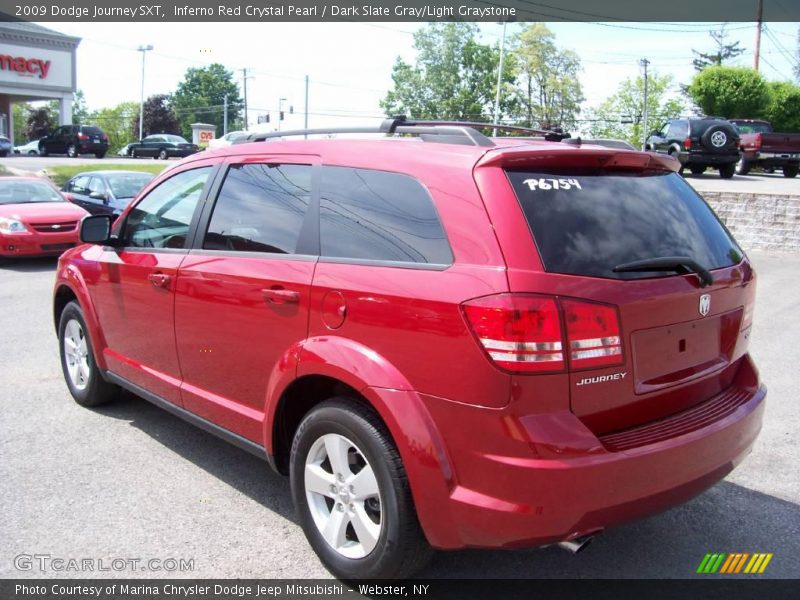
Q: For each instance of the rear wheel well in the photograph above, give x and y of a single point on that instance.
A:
(295, 403)
(63, 296)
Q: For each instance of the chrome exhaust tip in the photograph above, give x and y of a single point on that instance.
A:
(576, 545)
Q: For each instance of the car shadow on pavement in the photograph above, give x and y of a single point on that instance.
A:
(727, 518)
(29, 265)
(237, 468)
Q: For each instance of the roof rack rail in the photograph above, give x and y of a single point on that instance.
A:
(451, 132)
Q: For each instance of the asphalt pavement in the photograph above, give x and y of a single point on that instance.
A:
(129, 481)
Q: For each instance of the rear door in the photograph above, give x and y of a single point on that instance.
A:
(134, 288)
(243, 290)
(638, 345)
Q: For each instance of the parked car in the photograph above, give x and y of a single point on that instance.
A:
(105, 192)
(162, 146)
(6, 147)
(74, 140)
(227, 139)
(35, 220)
(762, 147)
(125, 150)
(698, 144)
(31, 148)
(455, 344)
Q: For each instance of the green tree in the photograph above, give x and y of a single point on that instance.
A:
(117, 123)
(41, 120)
(80, 112)
(549, 91)
(159, 117)
(723, 52)
(783, 108)
(200, 97)
(730, 92)
(454, 78)
(620, 116)
(20, 112)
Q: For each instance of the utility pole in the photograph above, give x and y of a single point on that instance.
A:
(305, 118)
(644, 62)
(499, 78)
(144, 50)
(244, 78)
(759, 20)
(225, 115)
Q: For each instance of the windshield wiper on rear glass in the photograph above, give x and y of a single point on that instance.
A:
(679, 264)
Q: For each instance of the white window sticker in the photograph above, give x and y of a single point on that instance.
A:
(552, 184)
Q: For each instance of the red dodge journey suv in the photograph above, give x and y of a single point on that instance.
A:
(444, 340)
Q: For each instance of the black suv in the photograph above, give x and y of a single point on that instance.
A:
(74, 140)
(698, 144)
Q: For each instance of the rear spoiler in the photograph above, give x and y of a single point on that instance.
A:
(560, 156)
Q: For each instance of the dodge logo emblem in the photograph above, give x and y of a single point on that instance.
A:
(705, 304)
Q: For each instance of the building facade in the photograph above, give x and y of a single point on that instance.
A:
(36, 63)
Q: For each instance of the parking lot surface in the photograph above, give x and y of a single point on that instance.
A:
(130, 481)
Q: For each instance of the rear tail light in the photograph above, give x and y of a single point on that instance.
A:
(523, 333)
(83, 136)
(520, 333)
(758, 141)
(687, 143)
(593, 334)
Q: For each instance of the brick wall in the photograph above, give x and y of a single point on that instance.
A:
(759, 221)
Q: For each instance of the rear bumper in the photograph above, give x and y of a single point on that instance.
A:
(538, 479)
(774, 159)
(704, 158)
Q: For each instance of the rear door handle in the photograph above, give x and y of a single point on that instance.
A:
(159, 280)
(281, 296)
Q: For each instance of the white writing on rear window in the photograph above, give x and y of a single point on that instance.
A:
(552, 184)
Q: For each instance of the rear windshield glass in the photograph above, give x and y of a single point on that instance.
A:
(92, 131)
(586, 224)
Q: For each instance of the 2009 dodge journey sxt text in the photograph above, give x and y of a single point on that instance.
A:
(445, 340)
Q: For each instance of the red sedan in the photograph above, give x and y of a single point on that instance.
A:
(35, 219)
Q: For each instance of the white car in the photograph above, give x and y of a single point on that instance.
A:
(31, 148)
(227, 139)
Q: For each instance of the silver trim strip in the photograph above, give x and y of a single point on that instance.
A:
(595, 342)
(596, 352)
(491, 344)
(527, 358)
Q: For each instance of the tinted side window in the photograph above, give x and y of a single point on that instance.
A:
(80, 185)
(260, 208)
(376, 215)
(678, 130)
(162, 218)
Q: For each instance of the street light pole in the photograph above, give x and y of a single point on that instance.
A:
(499, 78)
(144, 50)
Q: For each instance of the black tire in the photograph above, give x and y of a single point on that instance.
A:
(743, 166)
(32, 153)
(719, 138)
(72, 151)
(99, 154)
(3, 153)
(42, 151)
(727, 171)
(162, 154)
(132, 154)
(697, 169)
(401, 547)
(95, 390)
(790, 170)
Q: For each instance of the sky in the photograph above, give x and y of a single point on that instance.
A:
(349, 64)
